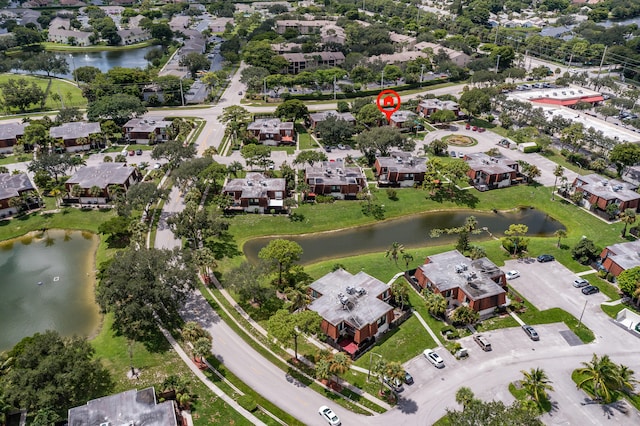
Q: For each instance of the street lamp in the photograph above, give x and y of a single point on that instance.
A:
(73, 70)
(370, 362)
(497, 63)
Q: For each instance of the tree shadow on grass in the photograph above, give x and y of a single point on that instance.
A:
(458, 196)
(224, 246)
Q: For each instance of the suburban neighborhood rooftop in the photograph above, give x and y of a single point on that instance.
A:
(101, 175)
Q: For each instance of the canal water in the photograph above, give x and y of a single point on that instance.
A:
(47, 283)
(412, 232)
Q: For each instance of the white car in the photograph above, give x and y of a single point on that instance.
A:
(433, 358)
(328, 414)
(512, 274)
(580, 282)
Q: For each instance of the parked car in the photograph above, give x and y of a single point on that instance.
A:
(531, 332)
(433, 358)
(453, 154)
(328, 414)
(408, 378)
(590, 289)
(132, 153)
(474, 128)
(139, 152)
(482, 342)
(580, 282)
(327, 148)
(460, 154)
(157, 166)
(240, 93)
(340, 146)
(545, 258)
(467, 126)
(512, 274)
(481, 129)
(395, 384)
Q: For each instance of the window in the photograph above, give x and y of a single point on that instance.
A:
(408, 176)
(382, 320)
(254, 201)
(341, 326)
(335, 188)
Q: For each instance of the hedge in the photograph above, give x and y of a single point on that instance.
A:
(529, 149)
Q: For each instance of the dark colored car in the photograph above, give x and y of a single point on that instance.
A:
(545, 258)
(408, 378)
(531, 332)
(139, 152)
(590, 289)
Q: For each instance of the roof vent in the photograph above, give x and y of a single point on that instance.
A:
(361, 291)
(605, 182)
(350, 290)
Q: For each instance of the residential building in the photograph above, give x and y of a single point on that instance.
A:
(71, 134)
(256, 193)
(12, 186)
(333, 178)
(133, 35)
(398, 57)
(479, 284)
(461, 59)
(429, 106)
(332, 34)
(599, 192)
(301, 61)
(487, 172)
(138, 130)
(219, 25)
(400, 169)
(179, 22)
(60, 23)
(354, 308)
(272, 131)
(9, 135)
(130, 407)
(402, 42)
(303, 27)
(72, 37)
(403, 120)
(104, 176)
(620, 257)
(319, 117)
(281, 48)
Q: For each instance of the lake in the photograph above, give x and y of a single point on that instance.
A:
(105, 60)
(412, 232)
(47, 283)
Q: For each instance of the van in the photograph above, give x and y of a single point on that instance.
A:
(526, 87)
(482, 342)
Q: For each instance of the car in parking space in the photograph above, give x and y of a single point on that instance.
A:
(327, 148)
(157, 166)
(408, 378)
(590, 289)
(328, 414)
(453, 154)
(474, 128)
(545, 258)
(340, 146)
(481, 129)
(482, 342)
(139, 152)
(395, 384)
(512, 274)
(132, 153)
(531, 332)
(433, 358)
(580, 282)
(460, 154)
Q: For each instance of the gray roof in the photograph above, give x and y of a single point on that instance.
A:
(125, 408)
(303, 57)
(74, 130)
(270, 125)
(147, 124)
(12, 185)
(402, 116)
(323, 115)
(333, 173)
(12, 130)
(69, 33)
(627, 255)
(475, 281)
(556, 31)
(362, 308)
(102, 175)
(608, 189)
(438, 104)
(255, 185)
(490, 165)
(403, 162)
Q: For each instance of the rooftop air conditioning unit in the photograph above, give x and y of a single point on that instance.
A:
(361, 291)
(350, 289)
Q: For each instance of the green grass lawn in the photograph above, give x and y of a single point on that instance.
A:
(57, 47)
(522, 395)
(154, 367)
(11, 159)
(555, 156)
(305, 141)
(70, 94)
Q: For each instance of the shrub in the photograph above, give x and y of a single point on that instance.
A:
(447, 329)
(392, 194)
(529, 149)
(323, 199)
(585, 251)
(455, 348)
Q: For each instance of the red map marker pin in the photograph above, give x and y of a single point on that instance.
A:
(388, 102)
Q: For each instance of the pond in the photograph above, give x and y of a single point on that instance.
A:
(105, 60)
(47, 284)
(412, 232)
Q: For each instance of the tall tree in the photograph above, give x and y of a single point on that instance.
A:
(515, 237)
(286, 326)
(560, 233)
(310, 157)
(629, 281)
(601, 375)
(173, 151)
(144, 287)
(119, 108)
(379, 141)
(394, 251)
(628, 217)
(624, 155)
(334, 130)
(464, 396)
(464, 232)
(282, 254)
(197, 225)
(292, 110)
(65, 367)
(558, 172)
(54, 165)
(195, 62)
(19, 93)
(436, 304)
(400, 291)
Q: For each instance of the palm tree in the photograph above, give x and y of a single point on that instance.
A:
(55, 192)
(560, 233)
(407, 257)
(339, 364)
(210, 152)
(626, 381)
(436, 304)
(628, 217)
(76, 191)
(192, 331)
(536, 383)
(477, 252)
(601, 374)
(557, 172)
(205, 260)
(464, 396)
(234, 168)
(298, 298)
(202, 348)
(393, 371)
(95, 191)
(322, 369)
(394, 251)
(464, 315)
(400, 292)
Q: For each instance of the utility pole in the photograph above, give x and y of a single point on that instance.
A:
(570, 61)
(181, 92)
(497, 63)
(602, 60)
(382, 80)
(334, 87)
(421, 73)
(585, 307)
(264, 89)
(497, 31)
